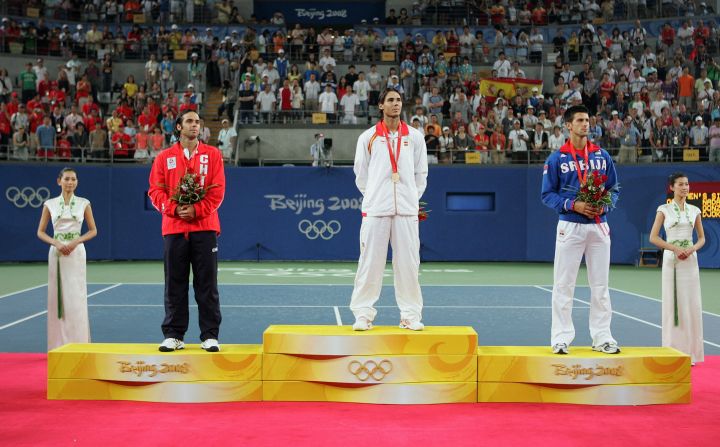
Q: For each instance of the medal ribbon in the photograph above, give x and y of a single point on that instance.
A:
(393, 158)
(582, 178)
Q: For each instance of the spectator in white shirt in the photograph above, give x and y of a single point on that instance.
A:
(502, 66)
(328, 103)
(266, 102)
(349, 104)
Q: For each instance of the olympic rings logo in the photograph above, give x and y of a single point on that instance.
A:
(319, 229)
(370, 369)
(27, 196)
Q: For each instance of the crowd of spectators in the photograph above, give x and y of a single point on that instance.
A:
(652, 96)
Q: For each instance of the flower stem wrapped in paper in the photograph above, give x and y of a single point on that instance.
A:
(190, 190)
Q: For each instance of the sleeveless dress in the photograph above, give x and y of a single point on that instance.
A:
(68, 320)
(681, 283)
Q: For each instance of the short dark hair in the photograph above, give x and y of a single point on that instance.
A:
(571, 111)
(179, 120)
(674, 176)
(383, 94)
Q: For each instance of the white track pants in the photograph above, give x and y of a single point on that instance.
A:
(572, 241)
(403, 235)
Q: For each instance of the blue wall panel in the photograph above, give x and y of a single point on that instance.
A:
(313, 214)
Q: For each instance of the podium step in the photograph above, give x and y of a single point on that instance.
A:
(370, 369)
(537, 364)
(386, 393)
(105, 371)
(176, 392)
(380, 340)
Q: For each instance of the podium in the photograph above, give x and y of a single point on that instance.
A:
(104, 371)
(635, 376)
(384, 365)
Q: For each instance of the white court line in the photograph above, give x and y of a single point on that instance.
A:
(338, 320)
(653, 299)
(320, 284)
(316, 306)
(45, 311)
(629, 316)
(23, 290)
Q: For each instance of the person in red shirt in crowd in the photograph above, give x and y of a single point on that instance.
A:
(482, 142)
(12, 31)
(189, 233)
(701, 34)
(667, 38)
(34, 103)
(45, 86)
(131, 8)
(125, 111)
(93, 120)
(88, 107)
(147, 120)
(57, 96)
(153, 108)
(170, 104)
(498, 143)
(63, 147)
(36, 118)
(189, 99)
(83, 90)
(121, 144)
(5, 128)
(539, 15)
(12, 106)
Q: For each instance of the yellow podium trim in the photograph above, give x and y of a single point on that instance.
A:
(636, 394)
(380, 340)
(178, 392)
(389, 393)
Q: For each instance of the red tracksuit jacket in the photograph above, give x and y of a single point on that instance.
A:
(167, 169)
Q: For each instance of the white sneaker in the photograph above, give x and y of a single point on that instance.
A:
(607, 348)
(171, 344)
(210, 345)
(362, 324)
(412, 325)
(560, 348)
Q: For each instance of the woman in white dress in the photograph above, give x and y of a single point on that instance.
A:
(682, 326)
(67, 285)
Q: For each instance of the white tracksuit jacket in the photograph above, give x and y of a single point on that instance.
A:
(373, 170)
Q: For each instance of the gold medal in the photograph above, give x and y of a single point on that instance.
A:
(395, 177)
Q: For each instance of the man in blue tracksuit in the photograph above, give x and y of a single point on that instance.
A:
(579, 233)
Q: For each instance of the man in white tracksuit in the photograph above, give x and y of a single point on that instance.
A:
(391, 172)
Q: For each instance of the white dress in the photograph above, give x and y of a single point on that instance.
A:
(68, 320)
(687, 335)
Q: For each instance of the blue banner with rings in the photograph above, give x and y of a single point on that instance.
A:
(322, 13)
(305, 213)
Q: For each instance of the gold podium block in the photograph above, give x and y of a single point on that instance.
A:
(370, 369)
(380, 340)
(386, 393)
(583, 366)
(631, 394)
(140, 372)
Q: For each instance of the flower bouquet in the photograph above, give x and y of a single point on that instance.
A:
(593, 192)
(422, 212)
(189, 190)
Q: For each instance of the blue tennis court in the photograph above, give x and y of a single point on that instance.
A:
(501, 314)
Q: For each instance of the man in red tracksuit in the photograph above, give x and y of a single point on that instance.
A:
(190, 233)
